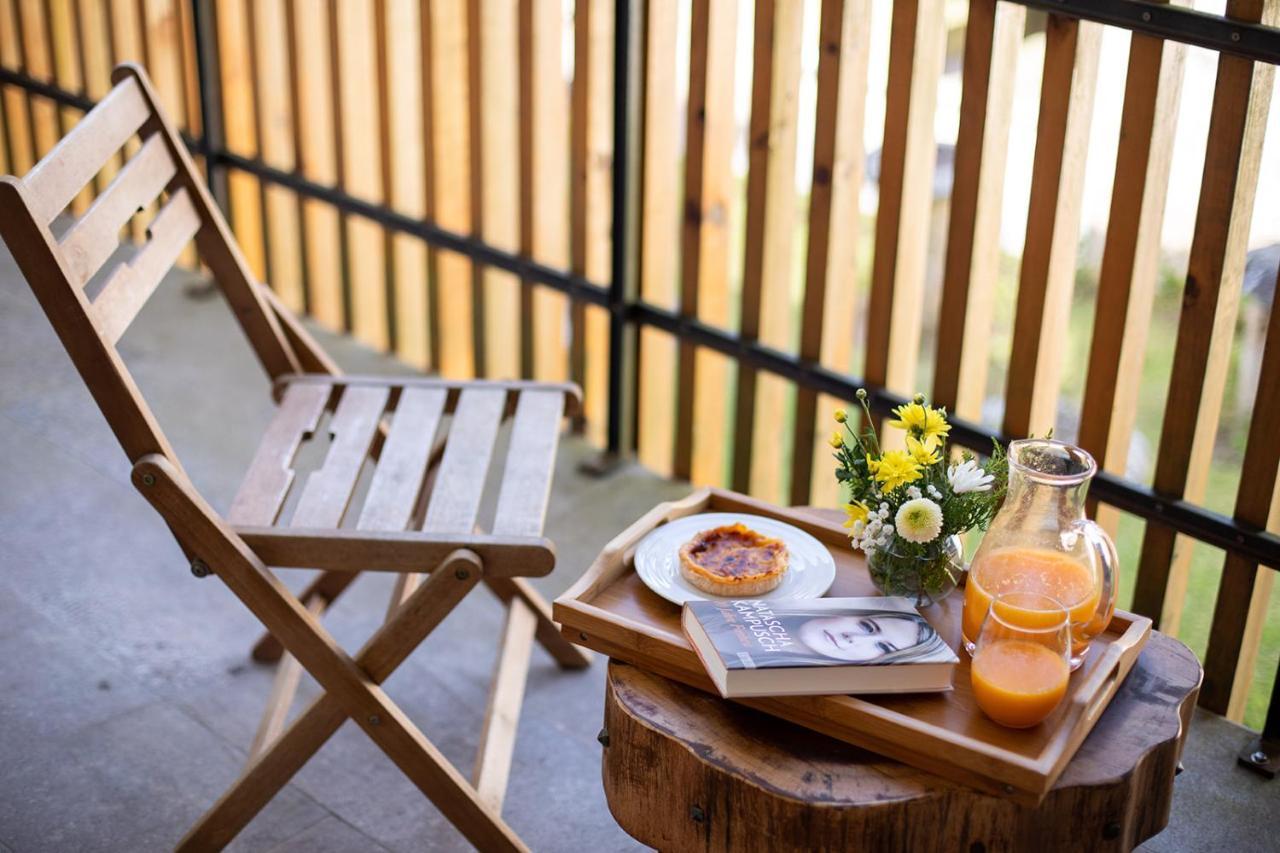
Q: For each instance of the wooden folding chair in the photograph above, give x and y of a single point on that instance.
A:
(407, 523)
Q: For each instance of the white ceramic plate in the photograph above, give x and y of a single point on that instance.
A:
(657, 561)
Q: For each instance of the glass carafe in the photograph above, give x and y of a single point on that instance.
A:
(1041, 542)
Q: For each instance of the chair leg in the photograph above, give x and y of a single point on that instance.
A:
(548, 633)
(502, 715)
(283, 689)
(325, 589)
(284, 756)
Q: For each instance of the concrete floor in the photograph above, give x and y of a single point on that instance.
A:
(127, 698)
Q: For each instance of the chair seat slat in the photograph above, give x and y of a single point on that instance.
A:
(91, 241)
(328, 491)
(402, 466)
(64, 171)
(131, 285)
(262, 493)
(526, 480)
(455, 499)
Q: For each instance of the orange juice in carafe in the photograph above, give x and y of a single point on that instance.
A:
(1040, 542)
(1056, 574)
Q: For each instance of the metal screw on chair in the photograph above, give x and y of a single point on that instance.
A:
(148, 479)
(603, 737)
(696, 812)
(1259, 757)
(462, 573)
(375, 720)
(199, 567)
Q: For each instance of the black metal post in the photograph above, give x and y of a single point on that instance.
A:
(211, 141)
(622, 285)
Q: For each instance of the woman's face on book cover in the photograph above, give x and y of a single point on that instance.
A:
(859, 638)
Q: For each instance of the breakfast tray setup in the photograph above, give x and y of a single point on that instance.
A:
(613, 612)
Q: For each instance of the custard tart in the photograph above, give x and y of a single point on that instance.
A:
(733, 560)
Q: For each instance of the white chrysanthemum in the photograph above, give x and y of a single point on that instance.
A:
(913, 493)
(968, 477)
(919, 520)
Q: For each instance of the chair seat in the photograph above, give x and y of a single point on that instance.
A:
(429, 442)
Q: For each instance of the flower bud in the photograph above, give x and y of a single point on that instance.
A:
(836, 441)
(841, 416)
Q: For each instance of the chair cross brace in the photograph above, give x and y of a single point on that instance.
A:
(352, 685)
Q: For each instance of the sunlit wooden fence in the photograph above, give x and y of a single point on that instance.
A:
(529, 187)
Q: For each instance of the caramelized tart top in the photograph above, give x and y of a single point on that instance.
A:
(735, 552)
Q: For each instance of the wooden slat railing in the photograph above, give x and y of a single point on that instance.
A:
(370, 134)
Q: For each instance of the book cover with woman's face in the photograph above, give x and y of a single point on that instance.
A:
(753, 633)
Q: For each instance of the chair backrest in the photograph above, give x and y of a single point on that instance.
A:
(58, 269)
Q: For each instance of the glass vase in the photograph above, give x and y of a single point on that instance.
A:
(924, 578)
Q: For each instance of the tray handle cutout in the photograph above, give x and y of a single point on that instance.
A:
(1096, 692)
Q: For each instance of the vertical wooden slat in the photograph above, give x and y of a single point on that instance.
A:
(37, 61)
(771, 203)
(317, 157)
(993, 39)
(161, 30)
(592, 152)
(706, 233)
(239, 127)
(1053, 225)
(1242, 97)
(451, 182)
(403, 184)
(548, 206)
(499, 203)
(478, 178)
(127, 46)
(1130, 257)
(67, 73)
(916, 50)
(4, 139)
(276, 136)
(190, 72)
(354, 428)
(1245, 590)
(830, 266)
(95, 48)
(659, 235)
(360, 168)
(21, 152)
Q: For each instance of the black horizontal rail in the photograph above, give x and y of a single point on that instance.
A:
(1175, 23)
(1184, 25)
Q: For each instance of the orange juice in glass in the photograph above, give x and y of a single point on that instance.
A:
(1041, 542)
(1020, 664)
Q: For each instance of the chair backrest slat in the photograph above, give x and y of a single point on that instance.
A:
(132, 284)
(58, 270)
(93, 239)
(73, 162)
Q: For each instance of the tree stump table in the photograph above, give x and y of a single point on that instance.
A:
(685, 770)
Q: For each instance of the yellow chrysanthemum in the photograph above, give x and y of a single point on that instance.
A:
(896, 468)
(921, 452)
(910, 416)
(857, 511)
(935, 428)
(836, 440)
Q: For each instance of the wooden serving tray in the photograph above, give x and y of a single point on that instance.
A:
(610, 610)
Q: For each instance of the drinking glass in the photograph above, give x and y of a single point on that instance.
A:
(1021, 662)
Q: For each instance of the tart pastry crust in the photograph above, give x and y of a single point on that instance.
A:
(733, 560)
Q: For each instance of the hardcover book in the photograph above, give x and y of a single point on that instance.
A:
(755, 647)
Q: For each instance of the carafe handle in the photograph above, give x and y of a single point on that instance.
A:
(1108, 565)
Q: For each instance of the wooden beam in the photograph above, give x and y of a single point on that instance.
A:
(917, 45)
(1053, 226)
(768, 264)
(993, 40)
